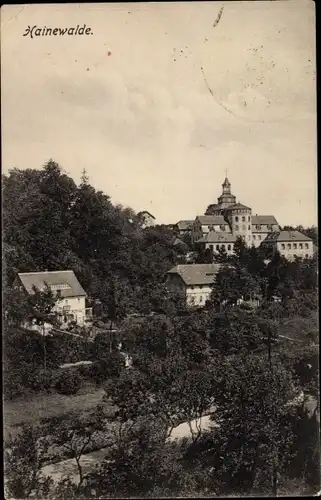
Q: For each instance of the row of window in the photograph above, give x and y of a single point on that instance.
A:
(211, 228)
(243, 228)
(224, 247)
(243, 219)
(60, 286)
(294, 255)
(258, 237)
(289, 246)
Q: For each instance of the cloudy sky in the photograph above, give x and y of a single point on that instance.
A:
(157, 102)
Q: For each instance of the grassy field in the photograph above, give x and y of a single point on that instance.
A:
(298, 327)
(32, 409)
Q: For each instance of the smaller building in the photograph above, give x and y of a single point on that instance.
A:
(262, 225)
(71, 306)
(217, 241)
(146, 219)
(184, 227)
(194, 281)
(290, 244)
(204, 224)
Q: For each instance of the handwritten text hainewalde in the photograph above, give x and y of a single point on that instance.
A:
(33, 31)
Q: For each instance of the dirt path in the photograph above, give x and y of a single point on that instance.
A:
(68, 468)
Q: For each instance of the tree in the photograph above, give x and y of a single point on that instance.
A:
(76, 435)
(23, 458)
(251, 444)
(38, 306)
(141, 465)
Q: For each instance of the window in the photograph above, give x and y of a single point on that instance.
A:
(306, 256)
(229, 247)
(236, 219)
(244, 227)
(307, 245)
(60, 286)
(217, 247)
(259, 236)
(254, 236)
(249, 219)
(223, 247)
(249, 228)
(211, 247)
(295, 256)
(283, 246)
(249, 237)
(258, 227)
(294, 245)
(236, 228)
(289, 246)
(243, 218)
(300, 246)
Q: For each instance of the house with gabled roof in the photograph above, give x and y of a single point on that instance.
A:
(146, 219)
(71, 304)
(193, 281)
(184, 226)
(204, 224)
(290, 244)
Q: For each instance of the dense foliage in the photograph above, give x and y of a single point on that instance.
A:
(51, 223)
(247, 368)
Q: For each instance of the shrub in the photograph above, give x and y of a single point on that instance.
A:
(68, 382)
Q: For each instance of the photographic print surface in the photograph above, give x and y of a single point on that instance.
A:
(160, 249)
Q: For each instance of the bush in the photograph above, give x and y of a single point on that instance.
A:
(68, 382)
(42, 380)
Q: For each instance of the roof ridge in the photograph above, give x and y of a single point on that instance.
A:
(43, 272)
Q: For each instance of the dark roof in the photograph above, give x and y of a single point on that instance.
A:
(184, 224)
(217, 237)
(39, 279)
(238, 206)
(177, 241)
(287, 236)
(144, 212)
(214, 206)
(215, 220)
(196, 274)
(264, 220)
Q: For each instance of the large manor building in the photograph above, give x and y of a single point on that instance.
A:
(228, 219)
(219, 228)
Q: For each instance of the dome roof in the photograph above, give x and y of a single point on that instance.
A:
(238, 206)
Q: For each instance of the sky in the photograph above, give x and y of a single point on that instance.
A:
(160, 99)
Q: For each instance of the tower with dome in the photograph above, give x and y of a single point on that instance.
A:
(228, 219)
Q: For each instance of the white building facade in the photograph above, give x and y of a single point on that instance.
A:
(193, 281)
(71, 301)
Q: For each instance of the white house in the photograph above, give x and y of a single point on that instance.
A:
(290, 244)
(72, 302)
(216, 241)
(146, 218)
(262, 225)
(193, 280)
(204, 224)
